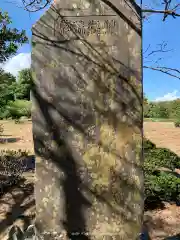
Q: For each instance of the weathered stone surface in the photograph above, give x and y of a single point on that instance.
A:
(87, 120)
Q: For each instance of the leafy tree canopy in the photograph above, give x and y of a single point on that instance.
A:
(10, 38)
(24, 84)
(7, 83)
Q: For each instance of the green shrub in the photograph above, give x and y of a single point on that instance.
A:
(160, 157)
(12, 165)
(177, 123)
(148, 145)
(159, 184)
(19, 108)
(4, 113)
(165, 186)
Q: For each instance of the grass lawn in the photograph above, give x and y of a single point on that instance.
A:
(158, 120)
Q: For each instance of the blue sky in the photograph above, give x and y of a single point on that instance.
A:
(157, 86)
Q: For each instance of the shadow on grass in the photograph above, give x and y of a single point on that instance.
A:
(9, 140)
(175, 237)
(152, 203)
(18, 198)
(17, 192)
(29, 163)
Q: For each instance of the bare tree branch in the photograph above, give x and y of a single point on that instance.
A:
(35, 5)
(171, 69)
(176, 7)
(165, 70)
(160, 51)
(168, 12)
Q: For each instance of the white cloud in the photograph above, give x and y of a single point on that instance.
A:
(17, 63)
(168, 97)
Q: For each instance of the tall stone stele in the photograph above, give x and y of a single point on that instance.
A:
(87, 120)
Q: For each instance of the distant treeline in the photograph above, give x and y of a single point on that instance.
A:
(15, 94)
(166, 109)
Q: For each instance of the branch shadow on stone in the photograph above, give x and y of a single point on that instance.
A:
(70, 105)
(74, 199)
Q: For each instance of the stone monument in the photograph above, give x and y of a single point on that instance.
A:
(87, 120)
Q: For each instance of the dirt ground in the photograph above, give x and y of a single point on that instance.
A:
(17, 136)
(20, 201)
(164, 135)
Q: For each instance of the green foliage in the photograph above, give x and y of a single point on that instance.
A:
(165, 186)
(175, 109)
(4, 113)
(161, 184)
(149, 110)
(145, 100)
(7, 82)
(148, 145)
(160, 157)
(10, 38)
(19, 108)
(11, 90)
(24, 84)
(162, 110)
(156, 110)
(177, 123)
(12, 165)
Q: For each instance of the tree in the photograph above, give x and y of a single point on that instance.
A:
(24, 84)
(162, 112)
(7, 83)
(145, 100)
(175, 109)
(10, 39)
(145, 106)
